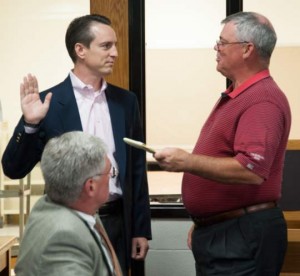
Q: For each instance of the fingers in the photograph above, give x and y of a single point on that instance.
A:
(34, 84)
(140, 248)
(139, 253)
(134, 253)
(29, 85)
(160, 154)
(25, 85)
(22, 90)
(143, 252)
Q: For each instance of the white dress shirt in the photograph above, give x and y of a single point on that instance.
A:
(95, 119)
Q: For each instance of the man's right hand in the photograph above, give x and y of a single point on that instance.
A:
(34, 110)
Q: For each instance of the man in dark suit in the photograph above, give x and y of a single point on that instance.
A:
(61, 236)
(85, 101)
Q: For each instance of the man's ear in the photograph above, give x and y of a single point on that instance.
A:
(248, 49)
(89, 186)
(80, 50)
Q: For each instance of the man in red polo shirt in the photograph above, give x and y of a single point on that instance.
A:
(232, 179)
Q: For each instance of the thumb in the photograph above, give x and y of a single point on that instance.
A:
(48, 99)
(134, 251)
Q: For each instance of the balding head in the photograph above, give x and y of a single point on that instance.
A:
(257, 29)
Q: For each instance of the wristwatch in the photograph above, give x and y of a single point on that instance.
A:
(31, 125)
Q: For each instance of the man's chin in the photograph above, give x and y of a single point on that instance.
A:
(105, 73)
(221, 72)
(219, 69)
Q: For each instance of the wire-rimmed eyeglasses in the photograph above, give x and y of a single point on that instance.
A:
(220, 43)
(113, 173)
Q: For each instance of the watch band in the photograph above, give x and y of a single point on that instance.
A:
(31, 125)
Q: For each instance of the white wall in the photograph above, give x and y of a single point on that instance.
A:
(32, 41)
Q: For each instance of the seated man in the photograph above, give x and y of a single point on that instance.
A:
(60, 236)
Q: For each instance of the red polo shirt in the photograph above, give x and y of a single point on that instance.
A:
(250, 124)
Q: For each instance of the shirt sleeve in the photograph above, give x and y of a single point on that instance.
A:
(258, 137)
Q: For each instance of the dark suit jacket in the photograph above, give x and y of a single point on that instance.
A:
(24, 151)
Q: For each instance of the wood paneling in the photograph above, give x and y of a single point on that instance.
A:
(293, 145)
(293, 220)
(117, 12)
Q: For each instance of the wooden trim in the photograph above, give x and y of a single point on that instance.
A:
(6, 243)
(293, 145)
(293, 219)
(117, 12)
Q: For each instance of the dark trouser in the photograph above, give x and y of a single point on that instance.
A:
(251, 245)
(114, 226)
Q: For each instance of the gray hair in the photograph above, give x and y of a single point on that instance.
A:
(255, 28)
(68, 161)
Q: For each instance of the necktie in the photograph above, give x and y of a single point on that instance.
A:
(102, 233)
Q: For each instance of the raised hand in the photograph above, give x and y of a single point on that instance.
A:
(34, 110)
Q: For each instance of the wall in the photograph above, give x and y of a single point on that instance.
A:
(180, 59)
(182, 84)
(168, 253)
(178, 103)
(32, 41)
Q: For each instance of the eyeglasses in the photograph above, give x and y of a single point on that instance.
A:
(113, 173)
(220, 43)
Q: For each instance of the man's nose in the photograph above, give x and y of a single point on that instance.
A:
(114, 51)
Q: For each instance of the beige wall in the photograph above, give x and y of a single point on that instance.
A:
(32, 41)
(182, 84)
(180, 80)
(32, 35)
(180, 94)
(182, 91)
(285, 70)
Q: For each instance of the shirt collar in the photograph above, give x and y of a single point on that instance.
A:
(254, 79)
(89, 219)
(81, 86)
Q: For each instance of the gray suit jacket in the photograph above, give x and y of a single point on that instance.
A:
(58, 242)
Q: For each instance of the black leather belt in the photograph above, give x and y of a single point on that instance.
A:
(111, 208)
(232, 214)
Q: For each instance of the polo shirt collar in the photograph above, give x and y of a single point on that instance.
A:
(237, 91)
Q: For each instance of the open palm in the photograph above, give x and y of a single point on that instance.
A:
(34, 110)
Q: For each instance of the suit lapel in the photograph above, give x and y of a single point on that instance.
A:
(96, 238)
(68, 109)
